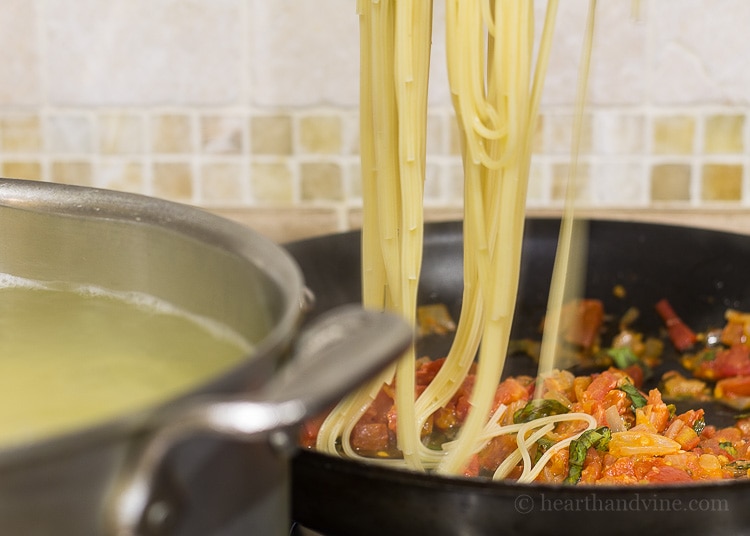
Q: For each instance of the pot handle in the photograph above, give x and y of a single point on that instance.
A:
(339, 351)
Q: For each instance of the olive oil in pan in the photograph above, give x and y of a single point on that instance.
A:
(74, 357)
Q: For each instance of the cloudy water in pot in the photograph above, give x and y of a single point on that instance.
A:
(73, 357)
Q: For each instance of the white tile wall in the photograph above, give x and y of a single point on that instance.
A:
(86, 85)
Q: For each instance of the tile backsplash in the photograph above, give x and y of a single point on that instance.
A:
(249, 107)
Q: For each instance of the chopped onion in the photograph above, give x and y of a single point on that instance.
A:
(614, 420)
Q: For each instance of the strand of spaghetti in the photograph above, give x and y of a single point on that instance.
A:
(542, 461)
(564, 281)
(489, 366)
(528, 474)
(517, 455)
(378, 112)
(509, 463)
(413, 33)
(468, 332)
(386, 130)
(373, 269)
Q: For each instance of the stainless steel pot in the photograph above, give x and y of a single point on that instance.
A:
(211, 462)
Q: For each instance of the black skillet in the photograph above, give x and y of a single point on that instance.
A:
(701, 272)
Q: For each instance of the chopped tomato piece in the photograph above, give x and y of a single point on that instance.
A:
(734, 392)
(497, 449)
(734, 361)
(679, 333)
(666, 474)
(582, 321)
(308, 434)
(427, 371)
(370, 437)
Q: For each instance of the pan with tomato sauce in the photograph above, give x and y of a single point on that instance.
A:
(701, 274)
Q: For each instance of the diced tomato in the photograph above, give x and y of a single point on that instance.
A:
(618, 470)
(734, 392)
(683, 434)
(733, 333)
(462, 398)
(691, 416)
(472, 469)
(666, 474)
(592, 466)
(679, 333)
(602, 384)
(511, 390)
(655, 412)
(427, 371)
(636, 374)
(445, 418)
(308, 434)
(734, 361)
(370, 437)
(556, 469)
(371, 433)
(581, 322)
(744, 426)
(496, 450)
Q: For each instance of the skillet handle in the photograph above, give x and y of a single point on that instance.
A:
(338, 352)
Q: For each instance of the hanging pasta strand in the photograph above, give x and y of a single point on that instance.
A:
(413, 37)
(496, 84)
(496, 191)
(394, 107)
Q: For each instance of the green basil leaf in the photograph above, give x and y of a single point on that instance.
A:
(537, 408)
(637, 399)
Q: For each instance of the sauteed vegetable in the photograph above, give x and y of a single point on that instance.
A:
(599, 428)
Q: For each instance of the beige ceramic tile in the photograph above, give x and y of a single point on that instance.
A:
(321, 181)
(271, 135)
(618, 182)
(582, 182)
(121, 133)
(454, 137)
(721, 182)
(320, 134)
(433, 188)
(22, 170)
(68, 133)
(559, 134)
(272, 183)
(537, 183)
(724, 134)
(537, 140)
(72, 172)
(618, 133)
(172, 180)
(221, 183)
(354, 187)
(673, 134)
(125, 176)
(171, 133)
(222, 134)
(350, 132)
(670, 182)
(20, 133)
(435, 134)
(454, 188)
